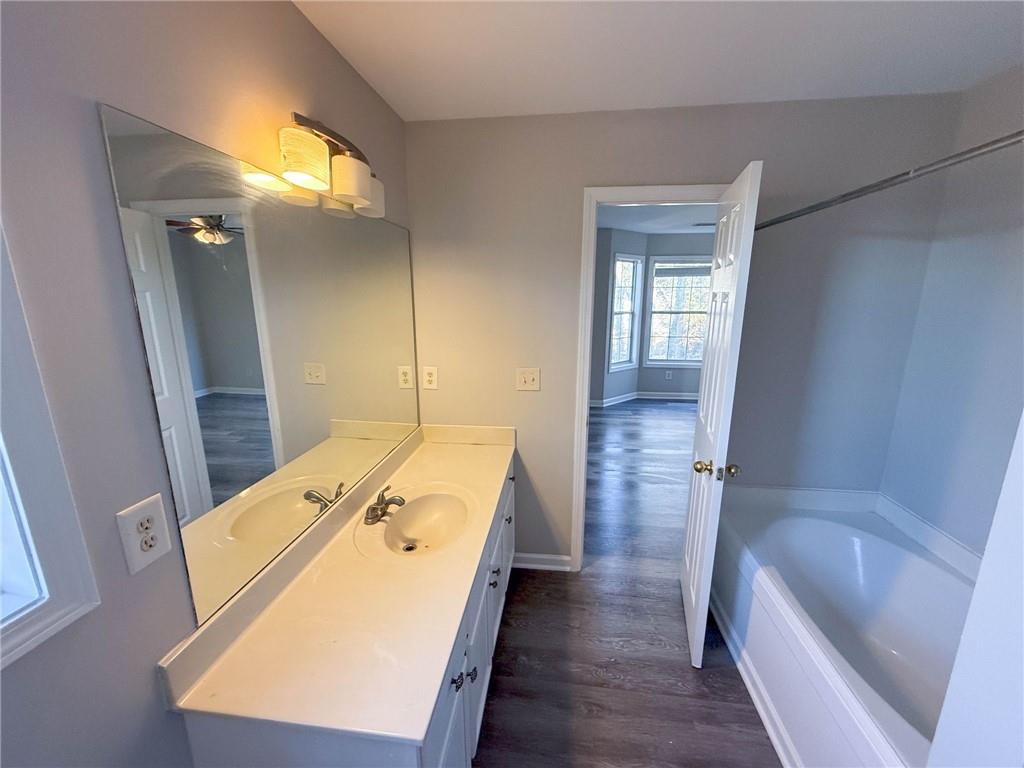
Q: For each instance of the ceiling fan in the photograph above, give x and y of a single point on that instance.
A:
(211, 230)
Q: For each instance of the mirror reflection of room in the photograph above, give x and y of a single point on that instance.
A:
(277, 324)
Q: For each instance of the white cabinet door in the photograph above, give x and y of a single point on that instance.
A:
(508, 521)
(495, 588)
(478, 674)
(455, 753)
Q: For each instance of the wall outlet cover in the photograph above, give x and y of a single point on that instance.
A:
(405, 380)
(528, 379)
(314, 373)
(429, 377)
(668, 375)
(144, 534)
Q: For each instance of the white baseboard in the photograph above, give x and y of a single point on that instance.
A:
(666, 395)
(928, 536)
(229, 391)
(542, 562)
(643, 396)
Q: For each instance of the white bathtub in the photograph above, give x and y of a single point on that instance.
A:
(845, 629)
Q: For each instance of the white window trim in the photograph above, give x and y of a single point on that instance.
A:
(649, 309)
(39, 480)
(638, 304)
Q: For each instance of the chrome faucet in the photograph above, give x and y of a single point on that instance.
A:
(315, 497)
(376, 511)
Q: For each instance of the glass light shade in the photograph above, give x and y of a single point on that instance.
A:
(305, 158)
(337, 208)
(375, 208)
(350, 180)
(301, 197)
(213, 237)
(262, 179)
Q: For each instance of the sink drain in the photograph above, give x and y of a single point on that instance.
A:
(409, 547)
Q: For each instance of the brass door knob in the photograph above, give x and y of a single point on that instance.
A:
(732, 469)
(703, 466)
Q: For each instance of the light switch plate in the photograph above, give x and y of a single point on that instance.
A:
(405, 377)
(429, 377)
(314, 373)
(528, 379)
(144, 534)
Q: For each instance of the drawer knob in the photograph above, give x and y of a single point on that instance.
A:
(458, 681)
(508, 520)
(496, 571)
(473, 675)
(494, 584)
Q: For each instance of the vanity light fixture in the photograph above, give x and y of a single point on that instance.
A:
(262, 179)
(374, 209)
(302, 197)
(305, 158)
(352, 181)
(336, 208)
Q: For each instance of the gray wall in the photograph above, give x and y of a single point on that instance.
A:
(217, 311)
(512, 291)
(961, 393)
(89, 695)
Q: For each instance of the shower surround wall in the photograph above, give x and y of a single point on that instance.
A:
(899, 370)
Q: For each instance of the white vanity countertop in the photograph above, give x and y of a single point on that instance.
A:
(362, 644)
(219, 564)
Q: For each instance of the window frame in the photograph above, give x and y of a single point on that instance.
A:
(697, 260)
(638, 304)
(39, 489)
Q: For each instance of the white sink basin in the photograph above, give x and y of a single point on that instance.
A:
(276, 513)
(434, 516)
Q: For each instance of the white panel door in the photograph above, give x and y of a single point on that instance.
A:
(164, 336)
(730, 268)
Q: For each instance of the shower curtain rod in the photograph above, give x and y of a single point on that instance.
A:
(901, 178)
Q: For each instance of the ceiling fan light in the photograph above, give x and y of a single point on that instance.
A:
(257, 177)
(306, 158)
(376, 206)
(350, 180)
(337, 208)
(301, 197)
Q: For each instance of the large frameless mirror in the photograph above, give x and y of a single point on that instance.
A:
(280, 346)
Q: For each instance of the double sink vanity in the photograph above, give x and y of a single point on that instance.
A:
(365, 644)
(348, 564)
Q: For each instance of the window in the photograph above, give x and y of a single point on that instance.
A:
(627, 277)
(22, 585)
(680, 292)
(47, 580)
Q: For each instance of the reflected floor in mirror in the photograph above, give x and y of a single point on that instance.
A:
(236, 441)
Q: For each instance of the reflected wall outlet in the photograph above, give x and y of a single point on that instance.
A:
(314, 373)
(429, 377)
(144, 534)
(405, 377)
(528, 379)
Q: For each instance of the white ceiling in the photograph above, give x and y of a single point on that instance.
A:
(441, 60)
(658, 219)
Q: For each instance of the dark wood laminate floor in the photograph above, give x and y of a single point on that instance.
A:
(592, 668)
(236, 441)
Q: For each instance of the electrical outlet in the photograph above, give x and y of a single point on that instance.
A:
(405, 377)
(528, 379)
(668, 375)
(429, 377)
(144, 534)
(314, 373)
